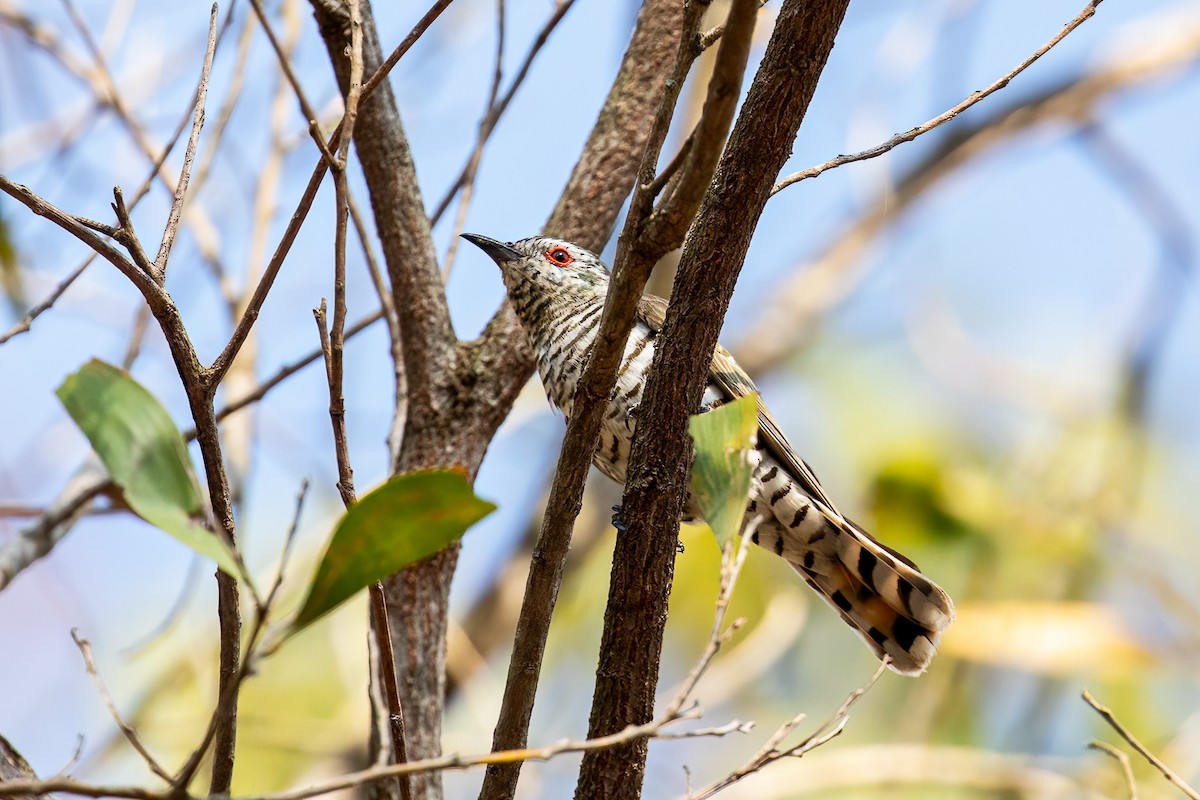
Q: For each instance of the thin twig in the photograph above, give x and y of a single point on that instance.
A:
(40, 206)
(85, 649)
(125, 234)
(1123, 761)
(900, 138)
(241, 331)
(285, 372)
(771, 751)
(1107, 715)
(189, 153)
(451, 761)
(731, 563)
(52, 298)
(560, 11)
(486, 124)
(27, 321)
(391, 686)
(732, 560)
(216, 135)
(337, 332)
(332, 345)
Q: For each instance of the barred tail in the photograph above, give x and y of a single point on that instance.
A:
(895, 609)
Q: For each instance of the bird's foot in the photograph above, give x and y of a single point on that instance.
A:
(620, 526)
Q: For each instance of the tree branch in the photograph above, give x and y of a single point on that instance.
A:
(223, 361)
(665, 229)
(912, 133)
(583, 429)
(189, 154)
(643, 563)
(85, 649)
(771, 751)
(789, 316)
(1107, 715)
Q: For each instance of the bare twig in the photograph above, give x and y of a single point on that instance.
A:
(664, 229)
(391, 687)
(1087, 13)
(452, 761)
(285, 372)
(771, 751)
(732, 560)
(189, 153)
(85, 649)
(241, 331)
(1122, 760)
(788, 319)
(332, 346)
(52, 298)
(1107, 715)
(71, 225)
(486, 125)
(233, 94)
(496, 110)
(124, 234)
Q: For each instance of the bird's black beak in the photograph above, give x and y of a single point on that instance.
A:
(499, 251)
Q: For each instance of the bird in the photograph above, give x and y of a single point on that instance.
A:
(558, 288)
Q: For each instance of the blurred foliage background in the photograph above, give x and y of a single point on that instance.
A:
(986, 344)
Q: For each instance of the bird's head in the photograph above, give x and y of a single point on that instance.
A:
(545, 261)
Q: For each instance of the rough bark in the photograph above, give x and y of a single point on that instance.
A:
(643, 564)
(659, 21)
(459, 393)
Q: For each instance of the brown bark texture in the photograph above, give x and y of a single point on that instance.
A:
(643, 563)
(458, 393)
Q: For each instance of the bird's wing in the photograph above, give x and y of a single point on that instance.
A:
(735, 383)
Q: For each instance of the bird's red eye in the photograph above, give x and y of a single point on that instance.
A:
(560, 256)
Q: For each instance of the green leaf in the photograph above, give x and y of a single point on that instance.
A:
(144, 454)
(409, 518)
(724, 438)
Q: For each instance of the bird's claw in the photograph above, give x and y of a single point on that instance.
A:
(616, 518)
(620, 526)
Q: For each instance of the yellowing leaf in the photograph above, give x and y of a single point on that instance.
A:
(409, 518)
(144, 454)
(724, 438)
